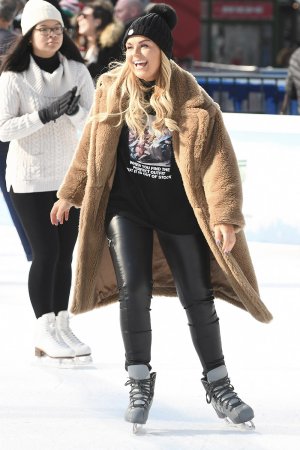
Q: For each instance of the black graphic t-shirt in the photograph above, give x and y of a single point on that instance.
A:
(147, 185)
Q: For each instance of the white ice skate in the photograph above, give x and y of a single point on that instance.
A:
(64, 332)
(48, 347)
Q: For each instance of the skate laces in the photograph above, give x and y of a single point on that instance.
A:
(66, 329)
(223, 392)
(73, 336)
(141, 391)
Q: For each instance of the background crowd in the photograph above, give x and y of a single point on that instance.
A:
(96, 26)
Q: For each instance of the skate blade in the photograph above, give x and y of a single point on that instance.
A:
(57, 363)
(83, 360)
(244, 426)
(137, 428)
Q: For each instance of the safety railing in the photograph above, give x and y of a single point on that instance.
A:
(246, 89)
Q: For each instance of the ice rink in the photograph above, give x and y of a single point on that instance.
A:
(45, 408)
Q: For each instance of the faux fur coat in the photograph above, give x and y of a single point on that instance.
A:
(210, 174)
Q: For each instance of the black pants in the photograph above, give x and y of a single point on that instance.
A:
(52, 249)
(131, 247)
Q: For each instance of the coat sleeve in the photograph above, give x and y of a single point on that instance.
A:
(73, 187)
(221, 177)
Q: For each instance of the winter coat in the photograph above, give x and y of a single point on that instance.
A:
(210, 174)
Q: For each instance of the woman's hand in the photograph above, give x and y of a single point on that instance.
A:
(60, 211)
(225, 236)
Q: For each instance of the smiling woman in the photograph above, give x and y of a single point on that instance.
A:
(158, 183)
(144, 56)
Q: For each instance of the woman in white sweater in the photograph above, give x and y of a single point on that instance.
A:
(46, 93)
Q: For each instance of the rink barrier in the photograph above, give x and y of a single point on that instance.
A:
(268, 152)
(247, 92)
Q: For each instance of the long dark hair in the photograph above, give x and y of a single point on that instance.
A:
(102, 9)
(18, 57)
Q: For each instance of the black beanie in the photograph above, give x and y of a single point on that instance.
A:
(157, 26)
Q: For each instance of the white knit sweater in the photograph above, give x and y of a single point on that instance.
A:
(39, 155)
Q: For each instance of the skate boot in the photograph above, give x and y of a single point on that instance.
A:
(48, 344)
(220, 393)
(64, 332)
(141, 395)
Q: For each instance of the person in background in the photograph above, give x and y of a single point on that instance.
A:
(99, 36)
(292, 85)
(8, 11)
(167, 225)
(46, 93)
(126, 11)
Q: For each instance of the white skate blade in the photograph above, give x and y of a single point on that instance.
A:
(244, 426)
(57, 363)
(85, 360)
(137, 428)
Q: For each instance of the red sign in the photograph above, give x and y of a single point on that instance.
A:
(187, 32)
(242, 10)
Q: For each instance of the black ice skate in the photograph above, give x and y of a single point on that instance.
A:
(140, 397)
(227, 404)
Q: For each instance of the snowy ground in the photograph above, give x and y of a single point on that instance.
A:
(57, 409)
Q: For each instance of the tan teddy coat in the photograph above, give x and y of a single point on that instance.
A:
(210, 174)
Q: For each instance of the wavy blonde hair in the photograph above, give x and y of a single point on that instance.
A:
(136, 113)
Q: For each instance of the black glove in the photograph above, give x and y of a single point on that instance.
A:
(58, 107)
(73, 108)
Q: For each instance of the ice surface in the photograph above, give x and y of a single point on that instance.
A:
(61, 409)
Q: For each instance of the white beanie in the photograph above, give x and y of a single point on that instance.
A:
(36, 11)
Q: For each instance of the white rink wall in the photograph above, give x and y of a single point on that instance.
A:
(268, 152)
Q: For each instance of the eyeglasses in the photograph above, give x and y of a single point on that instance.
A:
(84, 15)
(45, 31)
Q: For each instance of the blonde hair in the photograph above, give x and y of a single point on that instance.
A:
(136, 113)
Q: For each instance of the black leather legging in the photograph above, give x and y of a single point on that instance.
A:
(188, 257)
